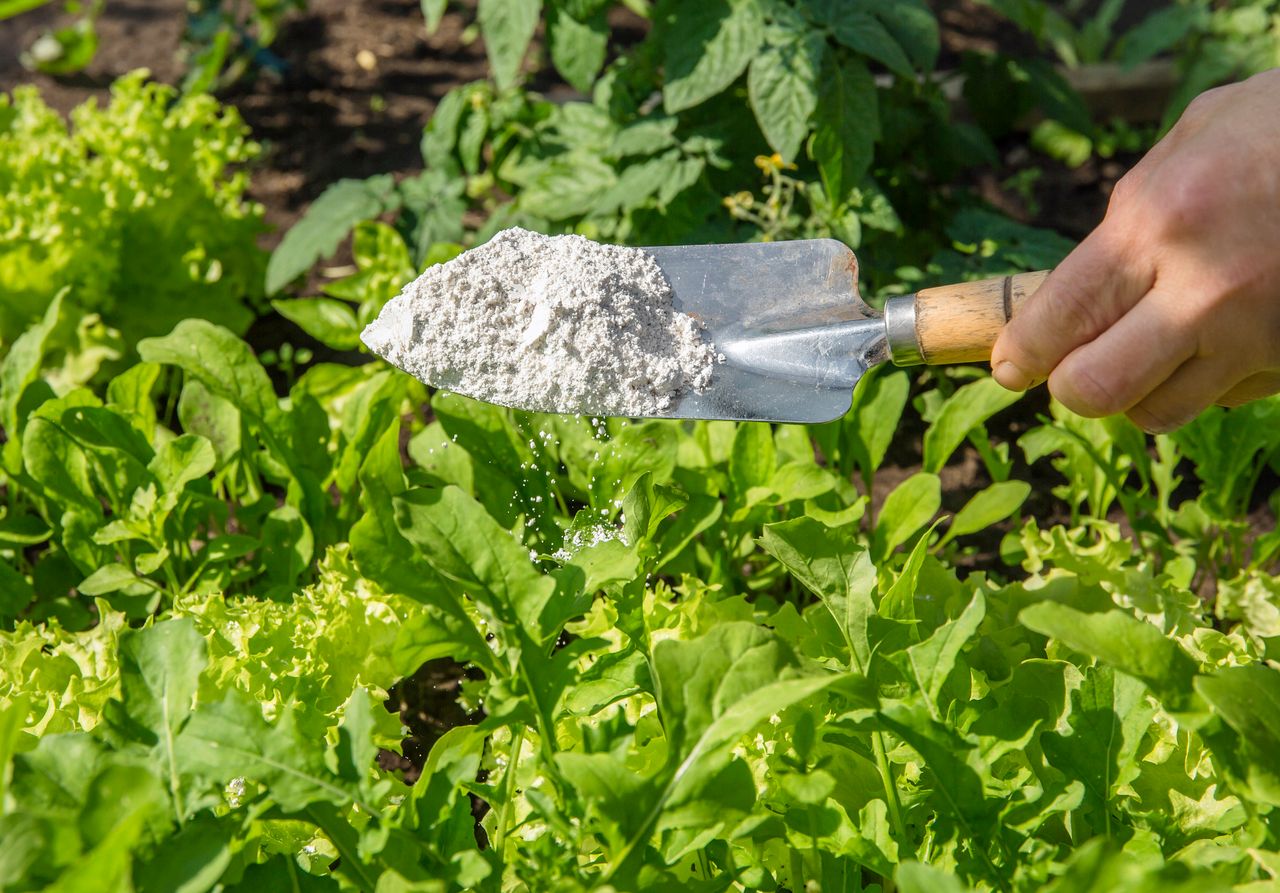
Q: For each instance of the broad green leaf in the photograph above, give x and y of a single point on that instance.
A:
(910, 506)
(647, 505)
(283, 873)
(952, 763)
(1102, 865)
(159, 672)
(987, 507)
(698, 679)
(878, 402)
(706, 46)
(230, 739)
(326, 223)
(109, 578)
(639, 448)
(220, 361)
(1108, 717)
(369, 412)
(831, 563)
(16, 592)
(648, 136)
(699, 515)
(131, 392)
(229, 547)
(612, 788)
(846, 128)
(215, 418)
(1248, 700)
(711, 691)
(357, 750)
(461, 541)
(933, 659)
(754, 457)
(917, 877)
(860, 30)
(614, 676)
(864, 25)
(637, 184)
(451, 764)
(566, 185)
(182, 460)
(802, 479)
(508, 26)
(22, 363)
(330, 322)
(964, 410)
(1163, 29)
(914, 26)
(899, 602)
(387, 558)
(434, 203)
(440, 136)
(782, 84)
(1121, 641)
(288, 545)
(106, 867)
(577, 47)
(191, 861)
(603, 561)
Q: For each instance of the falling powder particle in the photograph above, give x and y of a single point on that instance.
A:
(547, 323)
(580, 538)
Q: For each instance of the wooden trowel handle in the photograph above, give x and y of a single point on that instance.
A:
(955, 323)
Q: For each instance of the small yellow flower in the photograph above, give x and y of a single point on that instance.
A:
(771, 163)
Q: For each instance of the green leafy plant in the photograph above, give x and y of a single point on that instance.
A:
(225, 40)
(222, 491)
(789, 83)
(62, 50)
(692, 655)
(138, 209)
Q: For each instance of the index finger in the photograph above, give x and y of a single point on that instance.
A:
(1084, 296)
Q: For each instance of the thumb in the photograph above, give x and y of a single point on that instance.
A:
(1092, 288)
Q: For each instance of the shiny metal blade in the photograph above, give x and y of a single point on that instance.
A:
(795, 334)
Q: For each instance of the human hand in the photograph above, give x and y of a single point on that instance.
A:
(1173, 303)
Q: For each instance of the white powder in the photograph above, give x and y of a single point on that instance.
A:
(584, 538)
(547, 323)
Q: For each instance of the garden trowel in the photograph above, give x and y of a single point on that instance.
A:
(796, 336)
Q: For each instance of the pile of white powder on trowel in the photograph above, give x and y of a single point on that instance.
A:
(547, 323)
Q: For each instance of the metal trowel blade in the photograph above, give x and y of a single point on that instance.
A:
(787, 318)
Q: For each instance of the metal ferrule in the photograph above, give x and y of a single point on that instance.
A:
(900, 330)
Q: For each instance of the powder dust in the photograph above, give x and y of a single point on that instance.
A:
(547, 323)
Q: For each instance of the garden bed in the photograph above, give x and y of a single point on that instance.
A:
(954, 640)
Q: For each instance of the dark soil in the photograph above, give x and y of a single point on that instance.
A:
(428, 706)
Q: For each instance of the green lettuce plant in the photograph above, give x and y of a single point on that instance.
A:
(137, 208)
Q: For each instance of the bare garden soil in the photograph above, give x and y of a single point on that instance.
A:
(361, 80)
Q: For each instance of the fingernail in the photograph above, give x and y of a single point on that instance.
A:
(1011, 377)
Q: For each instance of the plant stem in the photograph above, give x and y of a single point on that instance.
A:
(509, 788)
(797, 872)
(890, 791)
(704, 864)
